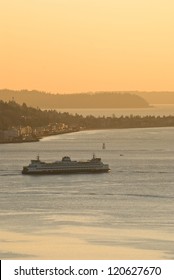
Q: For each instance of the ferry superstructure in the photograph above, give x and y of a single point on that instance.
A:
(66, 166)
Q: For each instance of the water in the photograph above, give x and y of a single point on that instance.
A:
(125, 214)
(154, 110)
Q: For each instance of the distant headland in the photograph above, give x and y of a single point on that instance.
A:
(75, 100)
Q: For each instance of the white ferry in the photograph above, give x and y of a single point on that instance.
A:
(66, 166)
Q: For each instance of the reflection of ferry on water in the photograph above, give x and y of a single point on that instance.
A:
(66, 166)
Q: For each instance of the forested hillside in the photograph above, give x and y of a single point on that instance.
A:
(13, 115)
(82, 100)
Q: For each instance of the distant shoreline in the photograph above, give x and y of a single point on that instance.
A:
(113, 99)
(73, 131)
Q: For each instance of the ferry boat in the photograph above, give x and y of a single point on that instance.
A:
(66, 166)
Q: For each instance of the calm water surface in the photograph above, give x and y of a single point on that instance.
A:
(127, 213)
(154, 110)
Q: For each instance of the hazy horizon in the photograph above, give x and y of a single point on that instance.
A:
(87, 46)
(132, 91)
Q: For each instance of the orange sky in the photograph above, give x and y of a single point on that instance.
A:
(87, 45)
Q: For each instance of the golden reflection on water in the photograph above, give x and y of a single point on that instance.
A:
(80, 243)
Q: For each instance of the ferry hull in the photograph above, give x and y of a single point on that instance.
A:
(56, 172)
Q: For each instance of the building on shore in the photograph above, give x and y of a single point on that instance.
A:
(25, 131)
(17, 134)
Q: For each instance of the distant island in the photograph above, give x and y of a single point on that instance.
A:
(21, 123)
(45, 100)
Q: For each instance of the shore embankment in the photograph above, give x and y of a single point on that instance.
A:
(33, 138)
